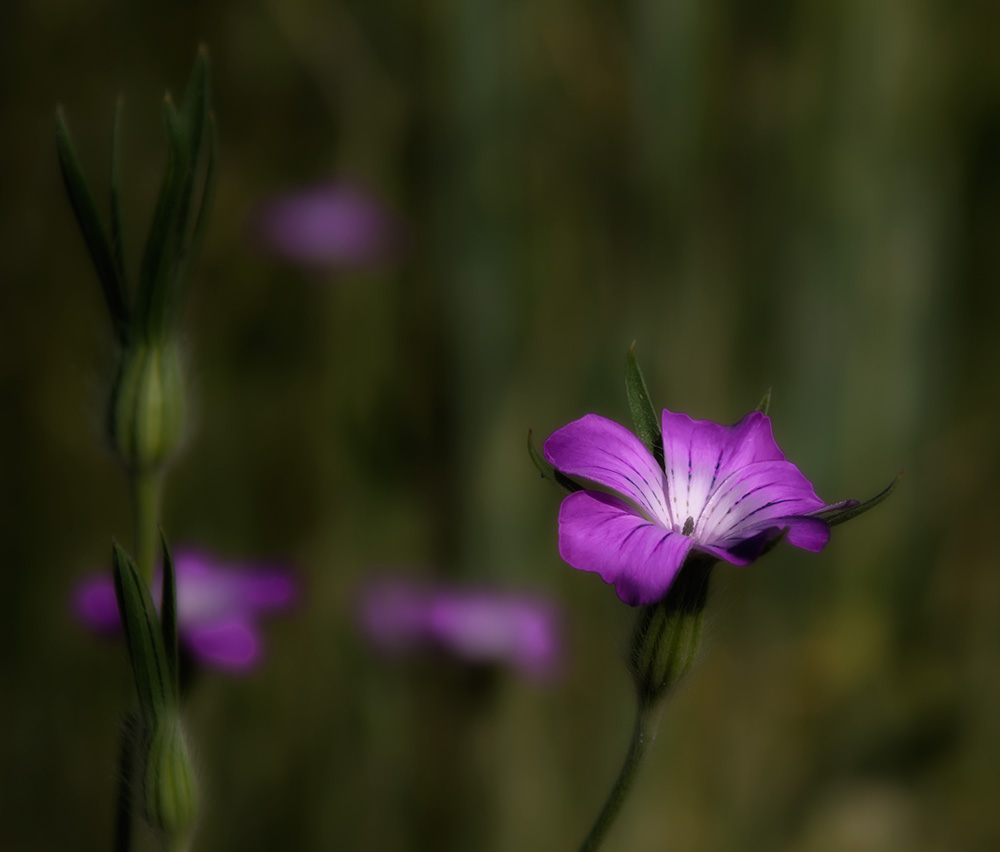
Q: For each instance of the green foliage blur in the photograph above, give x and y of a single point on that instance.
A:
(802, 196)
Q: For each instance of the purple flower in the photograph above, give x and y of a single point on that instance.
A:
(217, 606)
(333, 224)
(478, 625)
(723, 490)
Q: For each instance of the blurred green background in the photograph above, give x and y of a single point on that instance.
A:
(804, 196)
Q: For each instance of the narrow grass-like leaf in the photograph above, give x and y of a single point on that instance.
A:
(156, 259)
(85, 211)
(143, 637)
(764, 405)
(647, 425)
(117, 237)
(839, 516)
(168, 616)
(190, 254)
(194, 105)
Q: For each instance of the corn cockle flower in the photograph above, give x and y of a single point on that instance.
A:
(726, 491)
(217, 607)
(477, 625)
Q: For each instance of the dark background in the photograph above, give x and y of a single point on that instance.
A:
(803, 196)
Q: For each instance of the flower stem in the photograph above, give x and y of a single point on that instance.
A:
(123, 798)
(146, 498)
(647, 720)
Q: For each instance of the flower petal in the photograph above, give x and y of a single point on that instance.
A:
(761, 491)
(608, 454)
(602, 533)
(700, 454)
(807, 533)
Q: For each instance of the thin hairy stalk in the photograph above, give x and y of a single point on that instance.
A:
(647, 720)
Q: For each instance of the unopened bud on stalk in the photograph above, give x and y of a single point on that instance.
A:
(147, 404)
(666, 635)
(169, 791)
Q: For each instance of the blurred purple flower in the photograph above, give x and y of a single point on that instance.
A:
(327, 225)
(217, 606)
(724, 490)
(477, 625)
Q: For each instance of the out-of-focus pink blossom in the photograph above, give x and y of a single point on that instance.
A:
(477, 625)
(334, 224)
(218, 605)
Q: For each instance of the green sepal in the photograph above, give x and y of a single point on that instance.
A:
(850, 509)
(666, 635)
(548, 471)
(168, 614)
(647, 425)
(109, 273)
(764, 405)
(150, 668)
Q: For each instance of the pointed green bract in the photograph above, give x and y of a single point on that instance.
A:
(764, 406)
(156, 689)
(168, 613)
(101, 254)
(839, 516)
(647, 424)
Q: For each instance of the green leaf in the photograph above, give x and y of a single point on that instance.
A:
(765, 403)
(87, 218)
(148, 657)
(851, 508)
(157, 259)
(194, 105)
(168, 615)
(647, 425)
(173, 244)
(190, 255)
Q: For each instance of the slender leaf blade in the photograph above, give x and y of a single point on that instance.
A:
(189, 255)
(143, 637)
(764, 406)
(157, 260)
(647, 424)
(839, 516)
(88, 220)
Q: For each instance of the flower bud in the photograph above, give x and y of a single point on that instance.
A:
(169, 792)
(147, 404)
(666, 634)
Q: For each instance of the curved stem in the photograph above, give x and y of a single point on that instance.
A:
(647, 720)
